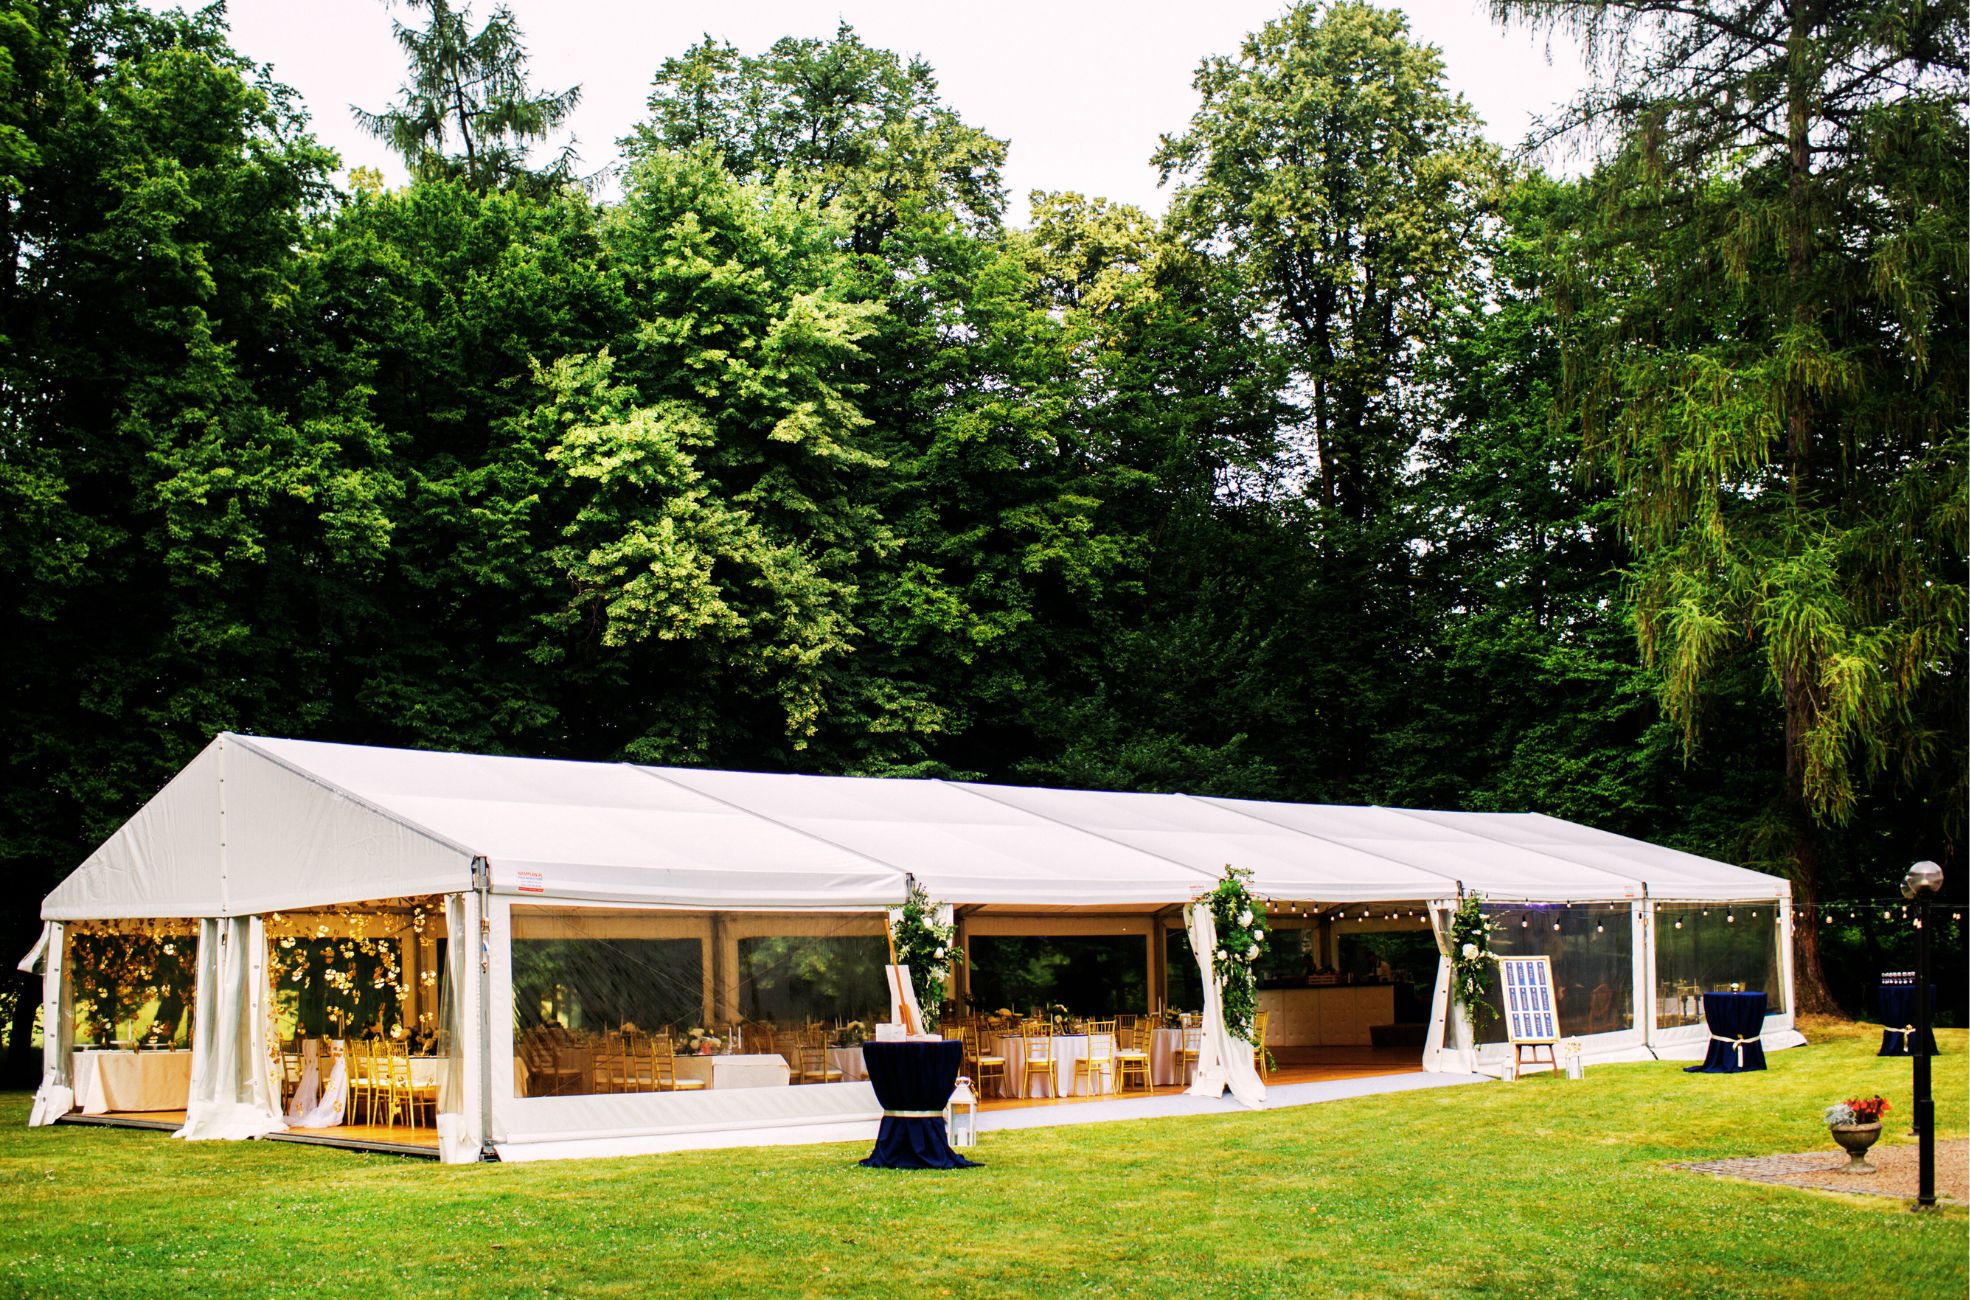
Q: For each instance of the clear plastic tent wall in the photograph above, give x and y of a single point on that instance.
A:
(735, 863)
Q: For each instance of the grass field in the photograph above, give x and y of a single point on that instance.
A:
(1542, 1187)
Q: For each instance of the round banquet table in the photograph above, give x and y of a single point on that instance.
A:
(107, 1081)
(913, 1082)
(1896, 998)
(1736, 1020)
(1067, 1050)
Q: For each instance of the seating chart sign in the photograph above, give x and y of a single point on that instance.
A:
(1530, 1016)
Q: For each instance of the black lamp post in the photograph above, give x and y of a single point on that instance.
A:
(1922, 881)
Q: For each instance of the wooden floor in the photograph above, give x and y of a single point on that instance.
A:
(399, 1139)
(1291, 1065)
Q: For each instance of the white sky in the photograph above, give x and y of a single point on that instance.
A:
(1081, 88)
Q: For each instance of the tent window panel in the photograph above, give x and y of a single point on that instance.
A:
(1087, 974)
(600, 985)
(1705, 948)
(1592, 947)
(634, 1001)
(788, 980)
(132, 982)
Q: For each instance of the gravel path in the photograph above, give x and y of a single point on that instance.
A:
(1821, 1169)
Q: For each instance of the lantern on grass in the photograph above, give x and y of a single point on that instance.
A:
(961, 1115)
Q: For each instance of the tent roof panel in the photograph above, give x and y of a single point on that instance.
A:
(963, 847)
(309, 822)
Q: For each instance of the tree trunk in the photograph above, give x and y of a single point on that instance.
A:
(1810, 993)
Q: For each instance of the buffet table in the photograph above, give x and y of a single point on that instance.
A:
(1326, 1015)
(107, 1081)
(755, 1070)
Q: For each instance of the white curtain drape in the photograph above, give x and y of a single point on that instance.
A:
(56, 1095)
(1222, 1061)
(458, 1113)
(231, 1093)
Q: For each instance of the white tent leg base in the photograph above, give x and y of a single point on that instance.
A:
(51, 1102)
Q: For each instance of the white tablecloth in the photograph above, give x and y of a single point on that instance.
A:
(108, 1081)
(1067, 1049)
(1164, 1045)
(849, 1061)
(756, 1070)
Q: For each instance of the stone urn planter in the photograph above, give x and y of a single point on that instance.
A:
(1855, 1139)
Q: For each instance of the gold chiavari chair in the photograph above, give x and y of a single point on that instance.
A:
(365, 1085)
(1259, 1058)
(406, 1096)
(1134, 1058)
(985, 1068)
(639, 1072)
(663, 1067)
(1039, 1054)
(814, 1067)
(1189, 1049)
(611, 1067)
(1099, 1063)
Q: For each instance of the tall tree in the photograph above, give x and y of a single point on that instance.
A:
(1767, 341)
(176, 497)
(467, 111)
(1332, 164)
(855, 126)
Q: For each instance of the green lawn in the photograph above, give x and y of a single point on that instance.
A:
(1538, 1187)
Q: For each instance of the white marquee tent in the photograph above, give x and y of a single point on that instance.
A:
(519, 848)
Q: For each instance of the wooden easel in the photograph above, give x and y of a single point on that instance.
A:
(902, 1003)
(1531, 1010)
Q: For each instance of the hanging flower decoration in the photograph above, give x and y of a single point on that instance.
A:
(926, 942)
(1470, 962)
(124, 970)
(342, 969)
(1241, 928)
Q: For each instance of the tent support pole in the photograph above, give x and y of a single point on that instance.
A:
(482, 885)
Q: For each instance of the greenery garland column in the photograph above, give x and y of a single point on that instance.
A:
(926, 944)
(1241, 927)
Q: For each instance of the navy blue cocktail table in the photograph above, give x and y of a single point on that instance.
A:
(913, 1081)
(1736, 1020)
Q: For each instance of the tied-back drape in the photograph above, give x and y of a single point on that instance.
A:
(1222, 1061)
(56, 1096)
(458, 1117)
(231, 1094)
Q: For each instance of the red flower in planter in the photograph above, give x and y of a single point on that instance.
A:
(1867, 1110)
